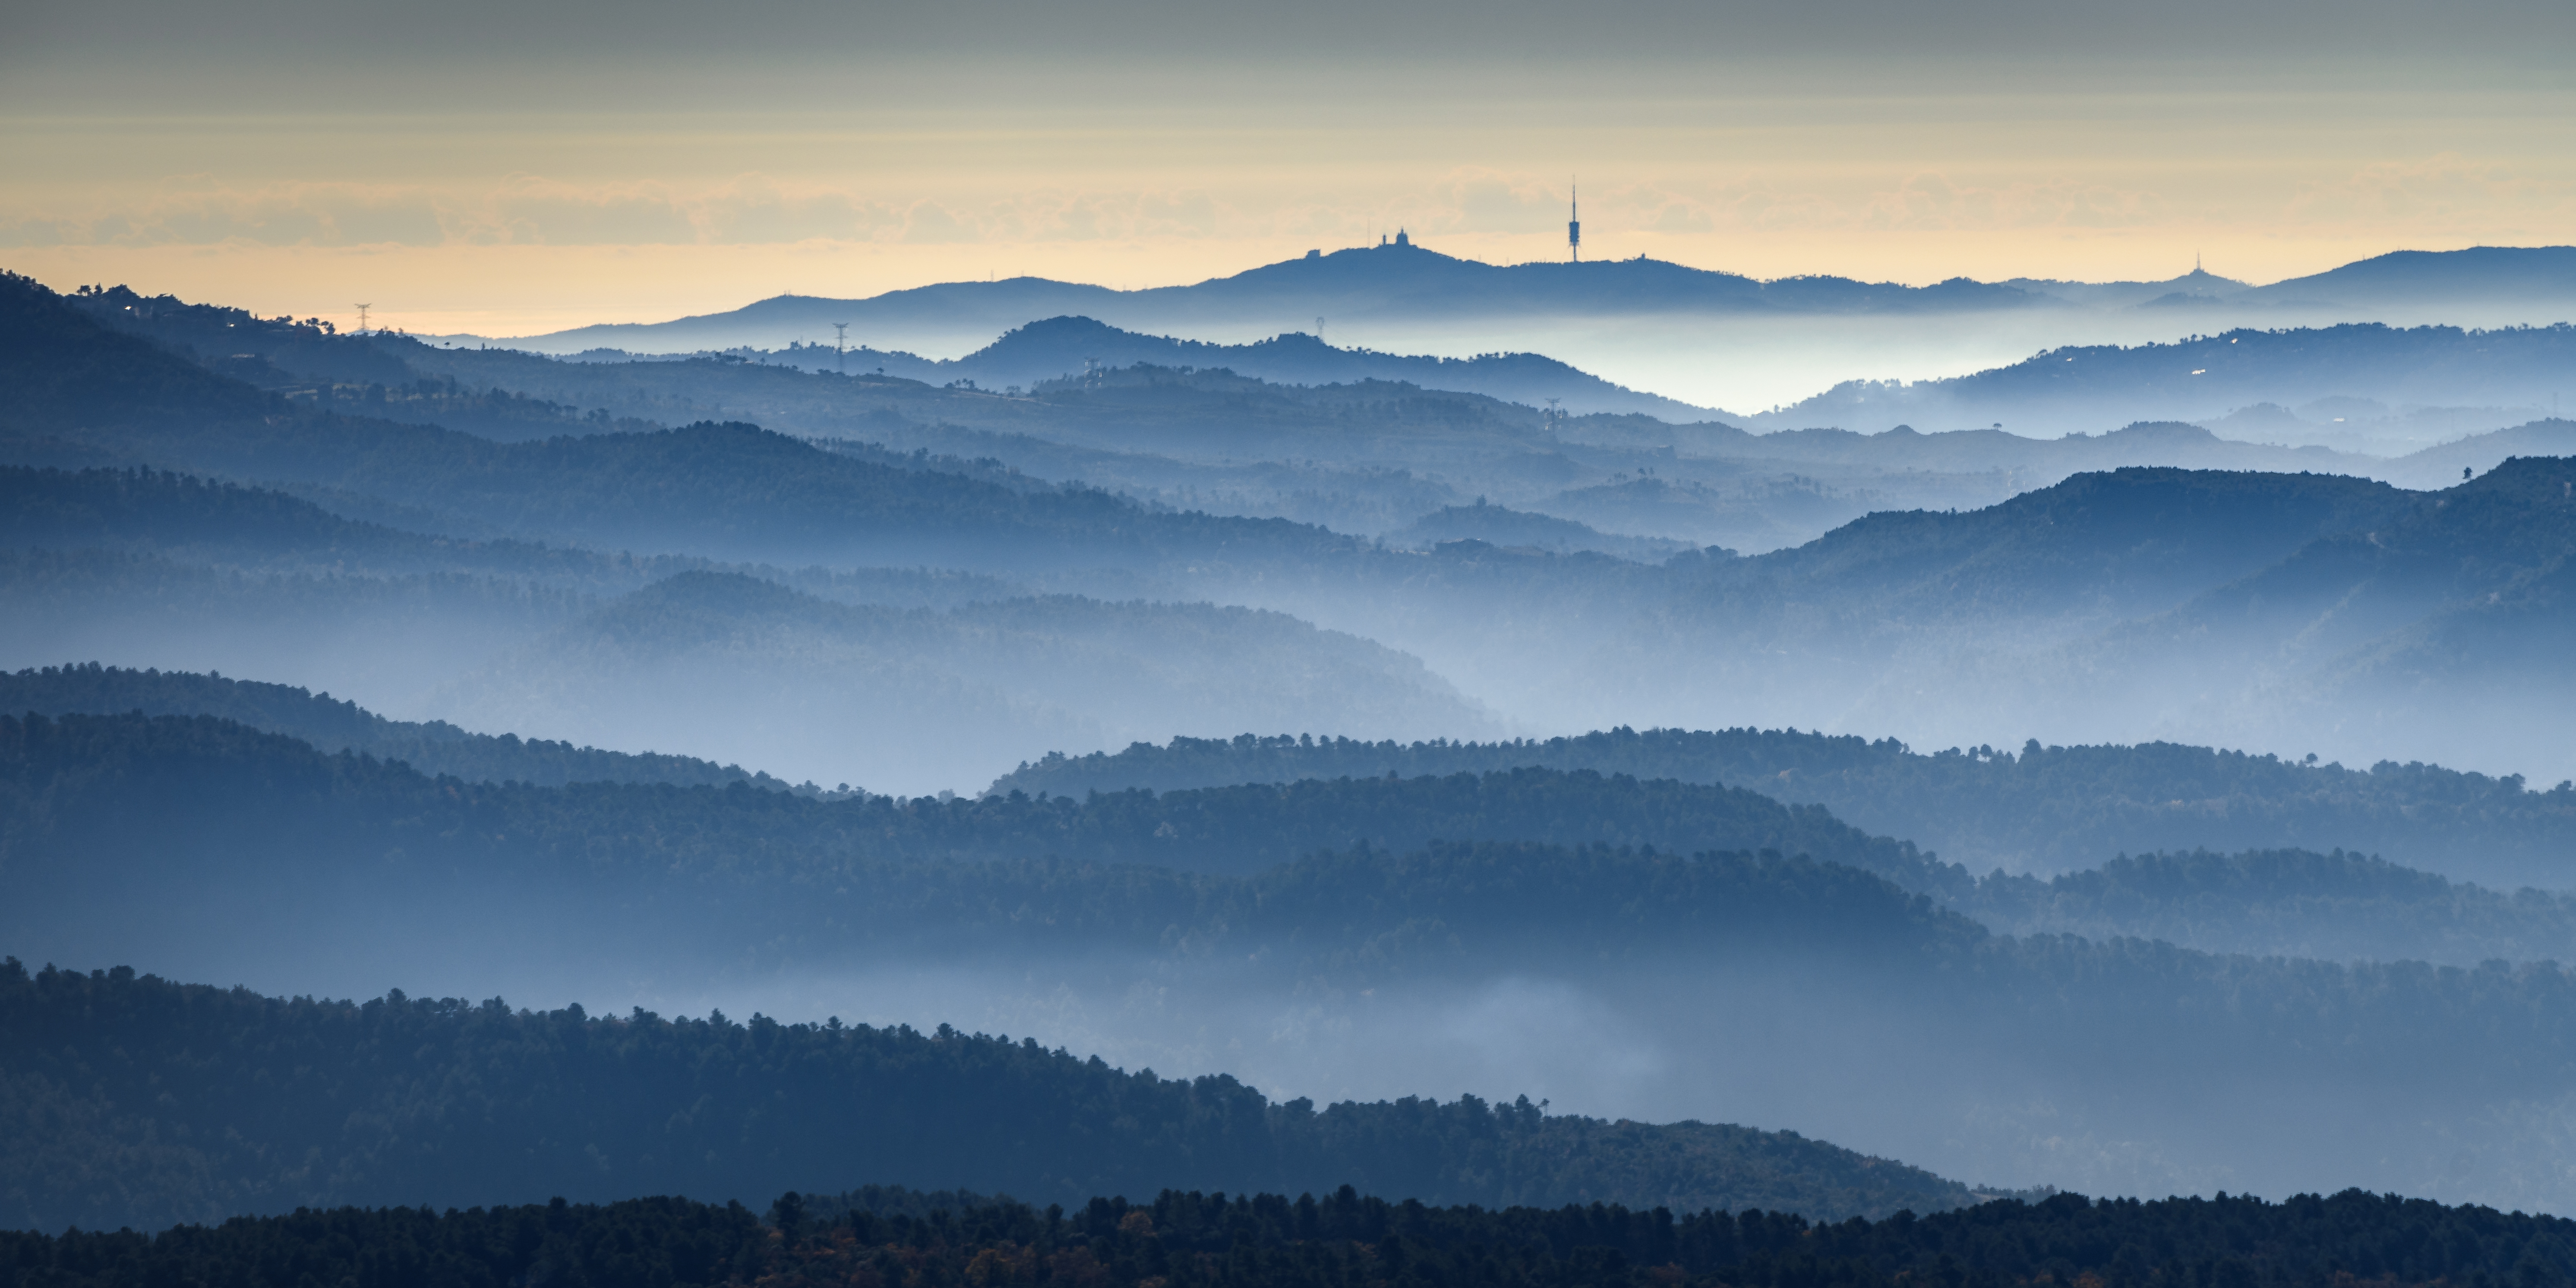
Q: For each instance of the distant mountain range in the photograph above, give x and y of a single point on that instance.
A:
(1061, 347)
(1373, 282)
(1898, 622)
(1758, 974)
(2480, 273)
(1410, 283)
(2365, 376)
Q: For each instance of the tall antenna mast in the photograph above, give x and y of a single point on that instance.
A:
(362, 318)
(1574, 222)
(840, 345)
(1319, 332)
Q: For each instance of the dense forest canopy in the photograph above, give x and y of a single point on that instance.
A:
(77, 779)
(194, 840)
(2188, 968)
(164, 1102)
(2055, 809)
(434, 747)
(892, 1238)
(2336, 905)
(2271, 901)
(2050, 808)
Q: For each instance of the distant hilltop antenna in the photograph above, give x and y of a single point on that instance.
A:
(840, 344)
(1319, 331)
(1573, 222)
(362, 318)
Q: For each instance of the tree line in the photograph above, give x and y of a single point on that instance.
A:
(48, 767)
(2050, 808)
(147, 1102)
(434, 747)
(1195, 1239)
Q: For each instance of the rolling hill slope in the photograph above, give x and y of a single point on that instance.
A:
(1741, 980)
(448, 1102)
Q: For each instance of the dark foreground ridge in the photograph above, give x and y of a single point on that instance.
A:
(883, 1239)
(205, 1102)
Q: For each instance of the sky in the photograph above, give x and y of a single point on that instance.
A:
(520, 167)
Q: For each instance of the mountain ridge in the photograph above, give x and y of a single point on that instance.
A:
(1413, 282)
(1375, 282)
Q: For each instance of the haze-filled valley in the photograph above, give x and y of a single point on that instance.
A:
(1712, 338)
(1578, 587)
(1086, 753)
(1126, 645)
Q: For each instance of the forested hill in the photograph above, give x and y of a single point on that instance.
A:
(83, 781)
(207, 521)
(435, 747)
(2122, 542)
(72, 386)
(2206, 376)
(191, 520)
(193, 844)
(221, 1102)
(110, 787)
(2048, 808)
(2398, 364)
(888, 1238)
(2337, 906)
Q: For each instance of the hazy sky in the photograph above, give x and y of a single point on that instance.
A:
(512, 167)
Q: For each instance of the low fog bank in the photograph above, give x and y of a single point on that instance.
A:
(1366, 451)
(1756, 369)
(1729, 986)
(1528, 933)
(1746, 346)
(911, 701)
(2221, 842)
(2288, 613)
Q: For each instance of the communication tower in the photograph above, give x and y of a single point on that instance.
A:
(362, 318)
(840, 345)
(1574, 223)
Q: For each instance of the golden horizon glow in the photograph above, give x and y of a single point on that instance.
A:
(520, 291)
(460, 198)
